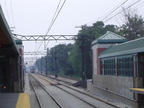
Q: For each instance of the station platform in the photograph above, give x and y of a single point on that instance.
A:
(14, 100)
(137, 90)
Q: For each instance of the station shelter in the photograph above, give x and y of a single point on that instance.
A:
(11, 59)
(118, 69)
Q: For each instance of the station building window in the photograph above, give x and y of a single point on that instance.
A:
(109, 67)
(101, 67)
(121, 66)
(125, 66)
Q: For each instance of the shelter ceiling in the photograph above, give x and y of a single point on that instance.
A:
(3, 38)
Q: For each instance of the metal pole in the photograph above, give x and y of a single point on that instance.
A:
(41, 65)
(55, 63)
(46, 65)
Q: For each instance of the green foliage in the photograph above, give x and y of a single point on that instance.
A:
(56, 61)
(133, 27)
(74, 60)
(67, 59)
(84, 39)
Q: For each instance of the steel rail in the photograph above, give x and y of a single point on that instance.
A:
(47, 92)
(39, 102)
(87, 94)
(71, 94)
(81, 92)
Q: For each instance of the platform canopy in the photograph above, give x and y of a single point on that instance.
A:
(7, 43)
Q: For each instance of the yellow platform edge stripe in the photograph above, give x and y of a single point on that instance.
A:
(23, 101)
(137, 89)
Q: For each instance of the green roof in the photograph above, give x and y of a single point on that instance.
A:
(130, 47)
(109, 37)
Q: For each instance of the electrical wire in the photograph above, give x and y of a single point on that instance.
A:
(54, 19)
(12, 13)
(45, 44)
(115, 9)
(110, 12)
(7, 12)
(139, 5)
(122, 11)
(54, 16)
(52, 22)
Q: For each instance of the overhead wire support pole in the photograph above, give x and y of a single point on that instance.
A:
(81, 41)
(82, 47)
(44, 44)
(41, 67)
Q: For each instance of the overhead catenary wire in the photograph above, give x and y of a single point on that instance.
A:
(141, 4)
(54, 19)
(115, 9)
(53, 16)
(131, 3)
(110, 12)
(109, 16)
(11, 5)
(122, 10)
(52, 22)
(50, 25)
(7, 12)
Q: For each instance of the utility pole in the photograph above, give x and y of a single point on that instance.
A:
(82, 44)
(41, 65)
(47, 61)
(46, 65)
(82, 47)
(55, 60)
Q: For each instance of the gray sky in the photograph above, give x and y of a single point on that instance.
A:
(34, 16)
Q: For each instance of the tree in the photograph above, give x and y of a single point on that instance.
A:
(57, 60)
(89, 34)
(133, 26)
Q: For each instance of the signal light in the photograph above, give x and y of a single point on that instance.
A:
(0, 46)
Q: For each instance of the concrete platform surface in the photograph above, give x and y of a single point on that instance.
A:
(14, 100)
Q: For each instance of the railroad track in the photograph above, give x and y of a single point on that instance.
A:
(44, 98)
(79, 94)
(73, 88)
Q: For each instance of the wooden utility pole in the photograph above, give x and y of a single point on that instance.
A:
(82, 43)
(82, 47)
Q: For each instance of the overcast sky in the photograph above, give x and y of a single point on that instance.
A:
(34, 16)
